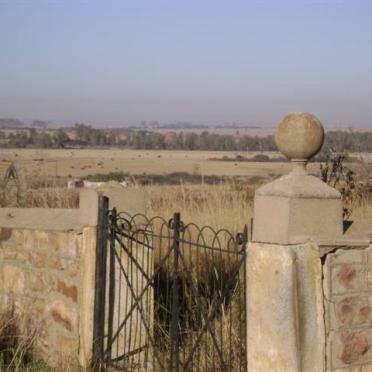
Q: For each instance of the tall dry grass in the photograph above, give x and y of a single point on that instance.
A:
(226, 205)
(20, 343)
(17, 345)
(363, 210)
(51, 197)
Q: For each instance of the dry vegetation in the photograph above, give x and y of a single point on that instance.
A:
(17, 345)
(57, 164)
(39, 198)
(225, 205)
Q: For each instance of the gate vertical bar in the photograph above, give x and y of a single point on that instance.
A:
(111, 296)
(174, 356)
(100, 291)
(245, 286)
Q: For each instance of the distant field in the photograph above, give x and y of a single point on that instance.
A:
(80, 163)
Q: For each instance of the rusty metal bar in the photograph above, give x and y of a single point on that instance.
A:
(100, 289)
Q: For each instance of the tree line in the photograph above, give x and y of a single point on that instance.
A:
(86, 136)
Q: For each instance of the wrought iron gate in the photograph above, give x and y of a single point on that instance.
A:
(169, 296)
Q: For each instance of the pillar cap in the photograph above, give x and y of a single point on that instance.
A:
(299, 136)
(298, 206)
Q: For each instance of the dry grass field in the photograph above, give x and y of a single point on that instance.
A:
(80, 163)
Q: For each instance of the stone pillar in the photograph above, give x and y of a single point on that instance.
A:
(293, 216)
(130, 200)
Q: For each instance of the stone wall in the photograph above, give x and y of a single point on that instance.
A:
(39, 279)
(47, 278)
(348, 309)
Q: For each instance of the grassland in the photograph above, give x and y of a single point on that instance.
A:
(80, 163)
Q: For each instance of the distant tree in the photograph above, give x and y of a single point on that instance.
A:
(44, 140)
(60, 138)
(18, 139)
(111, 139)
(191, 141)
(82, 132)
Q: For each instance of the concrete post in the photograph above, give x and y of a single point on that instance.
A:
(293, 216)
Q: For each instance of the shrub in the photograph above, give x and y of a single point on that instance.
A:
(105, 177)
(335, 173)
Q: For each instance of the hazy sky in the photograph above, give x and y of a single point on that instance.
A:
(200, 61)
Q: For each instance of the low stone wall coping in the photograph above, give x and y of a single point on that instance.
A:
(40, 218)
(57, 219)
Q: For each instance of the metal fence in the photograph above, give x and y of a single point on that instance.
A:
(169, 296)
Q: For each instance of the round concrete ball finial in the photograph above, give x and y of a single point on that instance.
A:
(299, 136)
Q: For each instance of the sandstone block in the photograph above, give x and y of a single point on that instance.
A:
(46, 260)
(72, 268)
(19, 256)
(74, 245)
(41, 282)
(42, 240)
(346, 256)
(130, 200)
(18, 237)
(9, 254)
(64, 315)
(348, 277)
(351, 348)
(310, 307)
(5, 301)
(64, 243)
(88, 207)
(86, 295)
(68, 289)
(58, 241)
(5, 234)
(13, 279)
(285, 308)
(350, 311)
(30, 240)
(272, 309)
(369, 255)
